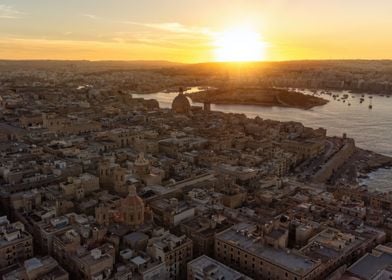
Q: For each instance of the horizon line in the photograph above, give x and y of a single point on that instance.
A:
(192, 63)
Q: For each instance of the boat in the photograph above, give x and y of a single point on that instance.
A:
(349, 104)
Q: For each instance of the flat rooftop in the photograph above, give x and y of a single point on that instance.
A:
(293, 261)
(215, 269)
(369, 265)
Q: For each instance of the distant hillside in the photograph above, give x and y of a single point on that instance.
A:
(208, 68)
(370, 76)
(211, 68)
(86, 65)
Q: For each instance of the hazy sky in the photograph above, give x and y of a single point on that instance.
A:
(183, 30)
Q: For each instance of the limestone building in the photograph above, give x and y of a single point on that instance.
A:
(174, 251)
(207, 268)
(242, 248)
(16, 244)
(45, 268)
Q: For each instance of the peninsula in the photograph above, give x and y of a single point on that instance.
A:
(258, 96)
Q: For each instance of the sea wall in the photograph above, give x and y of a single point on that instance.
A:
(335, 162)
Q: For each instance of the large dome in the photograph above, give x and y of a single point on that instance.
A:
(132, 208)
(132, 200)
(181, 104)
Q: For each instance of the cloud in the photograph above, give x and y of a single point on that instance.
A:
(8, 12)
(173, 27)
(90, 16)
(160, 42)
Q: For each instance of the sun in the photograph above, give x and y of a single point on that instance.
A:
(239, 44)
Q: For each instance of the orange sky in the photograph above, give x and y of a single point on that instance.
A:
(185, 30)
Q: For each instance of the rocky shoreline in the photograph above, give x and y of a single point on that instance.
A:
(374, 162)
(366, 162)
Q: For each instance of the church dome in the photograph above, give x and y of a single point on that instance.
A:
(132, 203)
(181, 104)
(132, 208)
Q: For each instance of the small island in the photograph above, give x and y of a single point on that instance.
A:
(258, 96)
